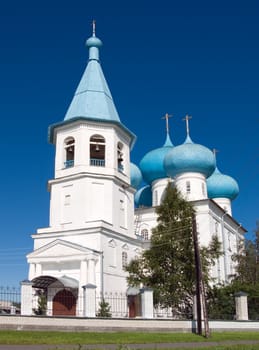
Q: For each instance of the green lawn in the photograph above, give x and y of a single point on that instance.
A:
(36, 337)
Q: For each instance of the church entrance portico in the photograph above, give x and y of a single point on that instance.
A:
(55, 296)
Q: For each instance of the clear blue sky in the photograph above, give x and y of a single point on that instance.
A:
(179, 57)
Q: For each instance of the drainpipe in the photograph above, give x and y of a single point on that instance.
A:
(102, 277)
(237, 237)
(224, 245)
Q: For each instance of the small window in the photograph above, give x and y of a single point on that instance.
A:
(120, 157)
(122, 214)
(144, 234)
(124, 257)
(188, 187)
(97, 150)
(69, 152)
(67, 200)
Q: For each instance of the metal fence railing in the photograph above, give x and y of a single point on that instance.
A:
(10, 300)
(67, 302)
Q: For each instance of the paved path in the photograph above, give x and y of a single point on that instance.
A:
(129, 346)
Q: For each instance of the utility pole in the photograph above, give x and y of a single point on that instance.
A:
(200, 292)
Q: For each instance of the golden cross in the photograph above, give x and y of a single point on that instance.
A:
(93, 24)
(166, 117)
(187, 118)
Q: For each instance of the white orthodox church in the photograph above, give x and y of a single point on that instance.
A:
(99, 217)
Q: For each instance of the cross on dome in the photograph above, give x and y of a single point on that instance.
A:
(166, 117)
(93, 24)
(215, 151)
(187, 118)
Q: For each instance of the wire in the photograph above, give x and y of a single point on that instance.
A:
(14, 249)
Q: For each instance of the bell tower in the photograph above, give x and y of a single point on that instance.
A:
(92, 162)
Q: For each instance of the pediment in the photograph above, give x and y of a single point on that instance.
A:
(138, 251)
(59, 248)
(112, 243)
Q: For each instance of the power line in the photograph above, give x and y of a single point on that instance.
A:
(14, 249)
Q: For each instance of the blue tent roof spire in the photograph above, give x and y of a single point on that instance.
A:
(93, 99)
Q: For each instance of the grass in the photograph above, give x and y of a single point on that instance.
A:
(119, 338)
(217, 347)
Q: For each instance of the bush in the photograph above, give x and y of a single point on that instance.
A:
(104, 309)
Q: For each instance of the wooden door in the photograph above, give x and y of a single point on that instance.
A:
(64, 303)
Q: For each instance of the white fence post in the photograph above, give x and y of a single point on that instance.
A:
(147, 308)
(26, 298)
(89, 300)
(241, 306)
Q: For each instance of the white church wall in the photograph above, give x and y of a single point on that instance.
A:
(225, 204)
(145, 219)
(158, 189)
(192, 186)
(117, 251)
(86, 199)
(80, 200)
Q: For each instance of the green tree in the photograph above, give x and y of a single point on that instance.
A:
(221, 302)
(168, 267)
(247, 260)
(221, 298)
(42, 302)
(104, 309)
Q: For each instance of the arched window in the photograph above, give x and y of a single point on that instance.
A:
(120, 156)
(97, 150)
(124, 258)
(144, 234)
(69, 152)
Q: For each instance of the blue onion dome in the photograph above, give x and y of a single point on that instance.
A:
(135, 176)
(143, 197)
(189, 157)
(93, 41)
(152, 164)
(222, 186)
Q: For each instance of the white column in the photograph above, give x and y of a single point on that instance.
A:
(26, 298)
(91, 274)
(89, 300)
(82, 282)
(83, 273)
(147, 303)
(241, 306)
(38, 270)
(32, 269)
